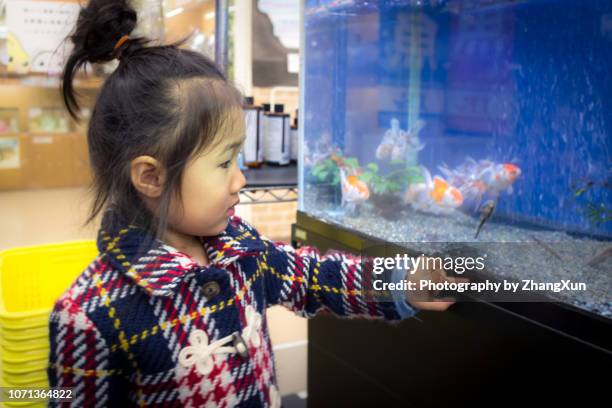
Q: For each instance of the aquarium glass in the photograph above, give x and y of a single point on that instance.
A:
(481, 121)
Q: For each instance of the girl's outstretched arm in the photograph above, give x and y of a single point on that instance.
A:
(307, 283)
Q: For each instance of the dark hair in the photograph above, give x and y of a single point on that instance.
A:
(161, 101)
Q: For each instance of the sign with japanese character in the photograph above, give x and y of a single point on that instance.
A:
(36, 34)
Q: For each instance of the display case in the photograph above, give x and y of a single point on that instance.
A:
(48, 120)
(478, 126)
(50, 148)
(9, 121)
(41, 146)
(11, 148)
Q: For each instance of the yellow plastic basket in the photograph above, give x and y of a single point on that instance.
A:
(30, 367)
(24, 356)
(38, 379)
(23, 334)
(32, 278)
(33, 380)
(24, 345)
(26, 404)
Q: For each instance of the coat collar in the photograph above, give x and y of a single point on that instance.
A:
(158, 267)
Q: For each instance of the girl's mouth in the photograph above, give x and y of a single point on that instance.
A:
(231, 211)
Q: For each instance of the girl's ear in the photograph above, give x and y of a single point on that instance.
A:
(148, 176)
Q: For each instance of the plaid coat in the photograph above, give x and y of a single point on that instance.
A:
(146, 325)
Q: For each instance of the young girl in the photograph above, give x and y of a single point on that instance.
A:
(173, 310)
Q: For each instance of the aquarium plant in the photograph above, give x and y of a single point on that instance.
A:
(326, 177)
(386, 188)
(326, 172)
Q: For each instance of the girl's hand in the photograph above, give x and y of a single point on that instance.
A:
(424, 299)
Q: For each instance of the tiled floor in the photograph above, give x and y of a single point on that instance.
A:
(47, 216)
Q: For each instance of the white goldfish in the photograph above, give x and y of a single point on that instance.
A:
(435, 196)
(476, 179)
(398, 144)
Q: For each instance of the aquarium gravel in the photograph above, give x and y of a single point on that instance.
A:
(549, 256)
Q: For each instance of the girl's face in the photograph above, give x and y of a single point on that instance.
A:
(211, 184)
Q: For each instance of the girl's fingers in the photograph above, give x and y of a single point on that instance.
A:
(437, 305)
(456, 279)
(444, 276)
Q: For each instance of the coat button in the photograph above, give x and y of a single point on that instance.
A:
(211, 289)
(241, 347)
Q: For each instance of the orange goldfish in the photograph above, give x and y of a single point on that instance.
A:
(434, 196)
(353, 190)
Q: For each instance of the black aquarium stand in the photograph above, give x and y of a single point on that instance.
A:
(476, 354)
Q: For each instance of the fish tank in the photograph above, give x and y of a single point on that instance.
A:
(481, 122)
(48, 120)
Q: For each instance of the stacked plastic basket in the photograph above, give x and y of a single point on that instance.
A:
(31, 280)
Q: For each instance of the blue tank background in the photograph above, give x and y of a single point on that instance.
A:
(523, 82)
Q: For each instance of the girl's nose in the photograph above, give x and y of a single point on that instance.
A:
(239, 181)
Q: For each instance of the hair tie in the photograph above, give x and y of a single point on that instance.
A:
(119, 43)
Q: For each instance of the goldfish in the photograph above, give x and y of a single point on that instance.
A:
(354, 190)
(398, 144)
(436, 196)
(477, 179)
(324, 149)
(390, 138)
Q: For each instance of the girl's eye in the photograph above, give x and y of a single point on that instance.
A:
(226, 164)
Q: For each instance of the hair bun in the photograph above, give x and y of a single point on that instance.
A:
(99, 26)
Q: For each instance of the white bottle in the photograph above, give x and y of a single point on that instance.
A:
(294, 139)
(265, 108)
(277, 137)
(253, 149)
